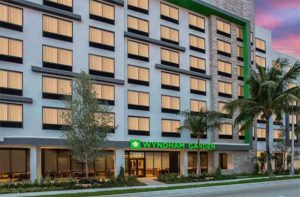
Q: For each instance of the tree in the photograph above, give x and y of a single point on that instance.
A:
(87, 122)
(198, 124)
(270, 95)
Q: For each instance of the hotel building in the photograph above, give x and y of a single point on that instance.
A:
(149, 60)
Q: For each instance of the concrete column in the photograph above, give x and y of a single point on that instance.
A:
(119, 160)
(183, 162)
(35, 163)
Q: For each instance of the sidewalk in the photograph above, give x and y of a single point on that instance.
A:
(125, 188)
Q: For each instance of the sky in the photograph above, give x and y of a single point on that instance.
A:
(282, 17)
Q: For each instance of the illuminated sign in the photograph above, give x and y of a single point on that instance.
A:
(138, 144)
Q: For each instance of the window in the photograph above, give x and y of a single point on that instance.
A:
(170, 104)
(138, 100)
(224, 68)
(226, 130)
(240, 73)
(11, 17)
(292, 119)
(224, 48)
(139, 5)
(168, 34)
(56, 88)
(103, 66)
(241, 133)
(292, 85)
(11, 50)
(251, 38)
(225, 89)
(138, 50)
(138, 75)
(197, 86)
(223, 160)
(277, 135)
(197, 43)
(239, 34)
(60, 4)
(57, 58)
(260, 45)
(252, 57)
(240, 53)
(223, 28)
(102, 12)
(102, 39)
(196, 22)
(169, 128)
(241, 91)
(197, 105)
(11, 115)
(138, 26)
(54, 118)
(197, 64)
(261, 134)
(260, 61)
(261, 118)
(105, 93)
(221, 109)
(11, 82)
(169, 13)
(170, 81)
(57, 28)
(138, 125)
(107, 120)
(169, 57)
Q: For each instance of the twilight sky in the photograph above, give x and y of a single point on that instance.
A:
(282, 17)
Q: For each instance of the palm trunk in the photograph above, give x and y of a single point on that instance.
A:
(268, 152)
(86, 167)
(198, 158)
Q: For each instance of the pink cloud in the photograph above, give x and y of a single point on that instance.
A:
(267, 21)
(284, 3)
(289, 45)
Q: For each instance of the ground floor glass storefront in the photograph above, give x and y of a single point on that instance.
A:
(192, 162)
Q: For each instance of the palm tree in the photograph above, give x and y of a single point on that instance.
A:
(269, 95)
(198, 124)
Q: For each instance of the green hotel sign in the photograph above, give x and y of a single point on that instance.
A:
(138, 144)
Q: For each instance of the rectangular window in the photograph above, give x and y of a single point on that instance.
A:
(252, 57)
(260, 61)
(138, 125)
(102, 12)
(138, 50)
(60, 4)
(197, 86)
(224, 68)
(56, 88)
(170, 104)
(225, 89)
(226, 130)
(197, 64)
(53, 118)
(251, 38)
(239, 53)
(223, 28)
(105, 93)
(102, 39)
(11, 50)
(106, 119)
(223, 160)
(169, 13)
(103, 66)
(260, 45)
(138, 100)
(221, 109)
(11, 115)
(196, 22)
(240, 73)
(261, 134)
(197, 105)
(169, 57)
(11, 17)
(224, 48)
(292, 119)
(197, 44)
(277, 135)
(138, 75)
(169, 128)
(241, 133)
(239, 34)
(170, 81)
(57, 58)
(57, 28)
(241, 91)
(168, 34)
(139, 5)
(138, 26)
(11, 82)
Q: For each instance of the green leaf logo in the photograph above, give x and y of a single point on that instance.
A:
(135, 144)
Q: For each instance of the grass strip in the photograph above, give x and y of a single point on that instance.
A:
(137, 190)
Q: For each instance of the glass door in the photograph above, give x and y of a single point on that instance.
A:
(137, 167)
(141, 167)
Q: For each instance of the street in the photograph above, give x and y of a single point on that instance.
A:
(287, 188)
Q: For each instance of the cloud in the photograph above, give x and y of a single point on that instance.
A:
(289, 45)
(267, 21)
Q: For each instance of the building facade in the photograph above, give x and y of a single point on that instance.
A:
(148, 60)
